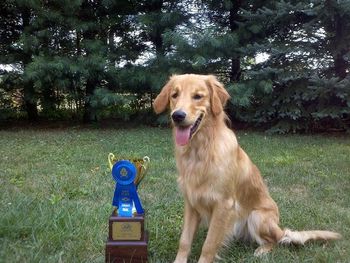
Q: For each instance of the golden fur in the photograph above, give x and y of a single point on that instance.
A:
(219, 182)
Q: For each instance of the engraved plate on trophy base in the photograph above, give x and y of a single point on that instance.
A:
(127, 240)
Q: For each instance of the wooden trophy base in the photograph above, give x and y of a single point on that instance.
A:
(127, 240)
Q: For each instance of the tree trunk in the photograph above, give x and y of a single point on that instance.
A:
(29, 101)
(235, 72)
(28, 91)
(340, 65)
(89, 112)
(336, 29)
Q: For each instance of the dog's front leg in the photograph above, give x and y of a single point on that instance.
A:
(221, 217)
(191, 220)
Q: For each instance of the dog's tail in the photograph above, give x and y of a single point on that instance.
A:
(300, 237)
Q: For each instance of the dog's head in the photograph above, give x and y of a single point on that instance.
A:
(192, 99)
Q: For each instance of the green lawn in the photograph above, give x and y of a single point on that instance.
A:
(56, 190)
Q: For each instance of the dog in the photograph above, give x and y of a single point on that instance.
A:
(219, 182)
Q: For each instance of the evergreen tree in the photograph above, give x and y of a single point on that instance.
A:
(161, 18)
(75, 48)
(156, 20)
(51, 68)
(18, 46)
(110, 56)
(286, 92)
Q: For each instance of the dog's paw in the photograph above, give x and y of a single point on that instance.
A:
(180, 260)
(263, 250)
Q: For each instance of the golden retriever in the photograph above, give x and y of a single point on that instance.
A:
(219, 182)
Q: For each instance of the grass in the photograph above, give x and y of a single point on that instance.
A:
(56, 190)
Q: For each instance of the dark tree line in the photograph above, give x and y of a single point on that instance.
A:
(103, 58)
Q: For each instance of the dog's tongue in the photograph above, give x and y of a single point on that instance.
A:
(182, 135)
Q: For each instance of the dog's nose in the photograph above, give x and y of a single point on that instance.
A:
(178, 116)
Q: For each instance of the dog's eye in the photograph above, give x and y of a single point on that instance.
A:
(175, 95)
(197, 97)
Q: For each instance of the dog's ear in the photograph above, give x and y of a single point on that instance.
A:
(219, 95)
(162, 100)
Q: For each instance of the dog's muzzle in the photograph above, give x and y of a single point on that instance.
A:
(183, 130)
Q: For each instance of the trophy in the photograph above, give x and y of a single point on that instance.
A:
(127, 239)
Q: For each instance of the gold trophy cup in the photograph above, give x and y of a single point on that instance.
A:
(127, 239)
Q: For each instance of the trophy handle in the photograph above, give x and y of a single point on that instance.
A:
(144, 168)
(146, 161)
(110, 160)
